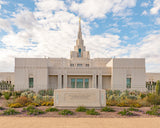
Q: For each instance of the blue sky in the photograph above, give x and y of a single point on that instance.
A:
(111, 28)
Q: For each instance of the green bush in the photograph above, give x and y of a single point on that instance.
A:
(32, 110)
(0, 94)
(81, 109)
(107, 109)
(125, 112)
(65, 112)
(1, 108)
(92, 112)
(154, 99)
(10, 111)
(153, 111)
(42, 92)
(52, 110)
(7, 95)
(133, 109)
(158, 87)
(50, 92)
(132, 97)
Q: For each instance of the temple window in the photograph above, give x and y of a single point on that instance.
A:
(31, 80)
(79, 52)
(79, 65)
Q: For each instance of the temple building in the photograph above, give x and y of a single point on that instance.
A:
(78, 72)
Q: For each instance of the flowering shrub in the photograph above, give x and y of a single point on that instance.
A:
(49, 103)
(23, 100)
(15, 105)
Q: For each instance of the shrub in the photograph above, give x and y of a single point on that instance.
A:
(15, 105)
(23, 100)
(10, 111)
(92, 112)
(132, 97)
(50, 92)
(81, 109)
(153, 111)
(125, 112)
(52, 110)
(143, 95)
(38, 99)
(65, 112)
(42, 92)
(111, 103)
(1, 108)
(34, 104)
(49, 103)
(0, 94)
(133, 109)
(7, 95)
(158, 87)
(154, 99)
(31, 110)
(107, 109)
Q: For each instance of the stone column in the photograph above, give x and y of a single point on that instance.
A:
(100, 81)
(94, 81)
(59, 81)
(65, 80)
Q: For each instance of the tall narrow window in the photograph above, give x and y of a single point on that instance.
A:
(79, 83)
(72, 83)
(79, 52)
(128, 82)
(31, 82)
(86, 83)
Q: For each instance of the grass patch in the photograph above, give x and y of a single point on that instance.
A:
(92, 112)
(133, 109)
(10, 111)
(81, 109)
(125, 112)
(65, 112)
(107, 109)
(52, 110)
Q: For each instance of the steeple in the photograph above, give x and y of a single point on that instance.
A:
(79, 49)
(79, 31)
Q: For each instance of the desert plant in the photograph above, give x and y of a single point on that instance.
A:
(81, 109)
(10, 111)
(158, 87)
(7, 95)
(132, 97)
(65, 112)
(92, 112)
(52, 110)
(42, 92)
(49, 92)
(125, 112)
(23, 100)
(107, 109)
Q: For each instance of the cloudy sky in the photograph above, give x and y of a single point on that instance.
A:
(111, 28)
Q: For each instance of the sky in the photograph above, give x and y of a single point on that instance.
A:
(48, 28)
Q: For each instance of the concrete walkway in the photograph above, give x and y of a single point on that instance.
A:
(45, 122)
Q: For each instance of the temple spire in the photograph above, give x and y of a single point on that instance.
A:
(79, 32)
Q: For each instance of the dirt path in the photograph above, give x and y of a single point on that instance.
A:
(46, 122)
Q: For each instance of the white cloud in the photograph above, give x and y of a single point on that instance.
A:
(50, 5)
(158, 21)
(98, 8)
(2, 2)
(156, 7)
(145, 4)
(5, 25)
(144, 12)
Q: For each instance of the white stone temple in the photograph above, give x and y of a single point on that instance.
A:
(80, 71)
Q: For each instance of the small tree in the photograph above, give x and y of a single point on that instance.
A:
(158, 87)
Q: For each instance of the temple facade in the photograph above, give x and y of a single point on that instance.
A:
(78, 72)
